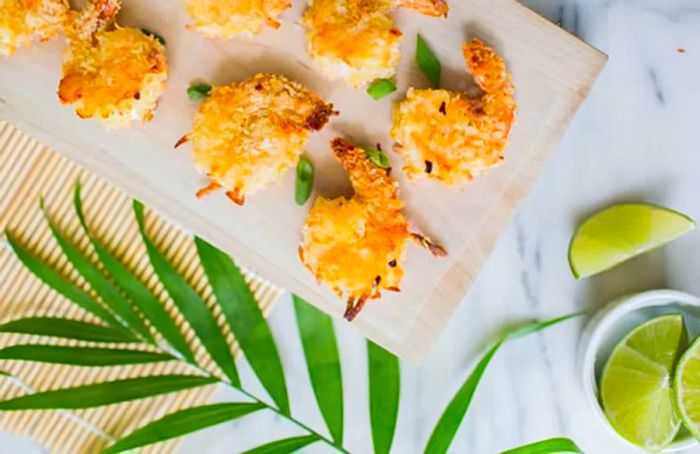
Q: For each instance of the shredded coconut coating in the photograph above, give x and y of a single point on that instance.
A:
(23, 21)
(357, 40)
(246, 135)
(111, 73)
(230, 18)
(452, 137)
(356, 245)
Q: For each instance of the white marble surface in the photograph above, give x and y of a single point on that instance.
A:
(636, 139)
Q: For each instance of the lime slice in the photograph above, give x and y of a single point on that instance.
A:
(621, 232)
(687, 388)
(635, 389)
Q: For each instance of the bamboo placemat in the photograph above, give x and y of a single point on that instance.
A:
(29, 171)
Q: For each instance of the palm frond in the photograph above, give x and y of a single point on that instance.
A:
(384, 395)
(550, 446)
(284, 446)
(139, 294)
(123, 299)
(54, 279)
(190, 304)
(81, 356)
(107, 393)
(246, 320)
(182, 423)
(67, 329)
(109, 294)
(323, 363)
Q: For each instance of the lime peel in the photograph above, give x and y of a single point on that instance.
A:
(621, 232)
(635, 387)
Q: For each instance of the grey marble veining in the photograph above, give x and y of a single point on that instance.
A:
(637, 138)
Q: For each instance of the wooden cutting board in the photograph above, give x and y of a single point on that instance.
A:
(553, 72)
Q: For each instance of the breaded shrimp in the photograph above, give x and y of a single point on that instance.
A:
(115, 74)
(246, 135)
(22, 21)
(451, 137)
(356, 245)
(356, 40)
(229, 18)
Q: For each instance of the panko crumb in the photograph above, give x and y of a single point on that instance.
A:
(246, 135)
(357, 40)
(111, 73)
(452, 137)
(230, 18)
(357, 246)
(23, 21)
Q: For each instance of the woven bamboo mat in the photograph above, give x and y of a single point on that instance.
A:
(28, 171)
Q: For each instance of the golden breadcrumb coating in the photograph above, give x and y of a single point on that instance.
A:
(356, 40)
(22, 21)
(111, 73)
(356, 246)
(452, 137)
(246, 135)
(229, 18)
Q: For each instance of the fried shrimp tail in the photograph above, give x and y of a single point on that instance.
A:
(23, 21)
(452, 137)
(356, 246)
(230, 18)
(112, 73)
(246, 135)
(357, 40)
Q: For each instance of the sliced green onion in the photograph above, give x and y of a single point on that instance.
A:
(380, 88)
(198, 91)
(305, 180)
(153, 34)
(428, 62)
(378, 157)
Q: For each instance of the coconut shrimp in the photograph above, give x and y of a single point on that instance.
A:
(356, 246)
(22, 21)
(246, 135)
(229, 18)
(357, 40)
(115, 74)
(452, 137)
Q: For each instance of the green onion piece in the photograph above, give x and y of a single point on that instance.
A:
(378, 157)
(305, 180)
(380, 88)
(428, 62)
(155, 35)
(199, 91)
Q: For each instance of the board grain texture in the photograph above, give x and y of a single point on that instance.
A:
(552, 70)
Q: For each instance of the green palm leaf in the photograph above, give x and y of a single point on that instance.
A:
(54, 279)
(384, 393)
(285, 446)
(446, 429)
(81, 356)
(68, 329)
(181, 423)
(245, 319)
(132, 287)
(551, 446)
(109, 294)
(190, 305)
(323, 362)
(106, 393)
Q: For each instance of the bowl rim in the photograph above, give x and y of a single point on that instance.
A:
(596, 329)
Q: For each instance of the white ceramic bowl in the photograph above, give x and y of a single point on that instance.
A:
(611, 323)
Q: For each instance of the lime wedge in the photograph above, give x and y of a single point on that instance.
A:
(635, 389)
(687, 388)
(621, 232)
